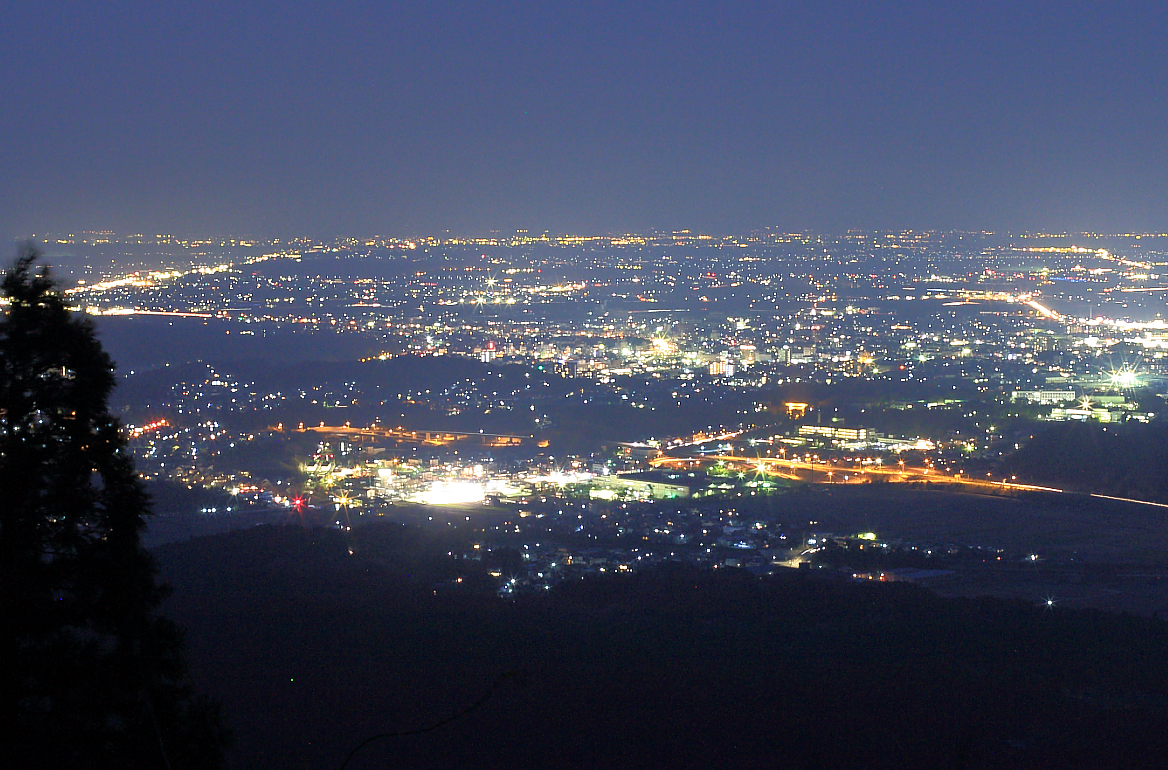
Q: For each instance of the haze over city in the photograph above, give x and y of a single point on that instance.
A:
(411, 119)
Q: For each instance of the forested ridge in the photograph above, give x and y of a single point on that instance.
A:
(1127, 459)
(313, 650)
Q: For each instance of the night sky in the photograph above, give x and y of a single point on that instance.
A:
(312, 118)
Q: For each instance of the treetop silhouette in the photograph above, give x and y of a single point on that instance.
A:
(92, 675)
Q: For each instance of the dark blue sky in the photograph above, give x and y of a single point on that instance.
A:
(293, 117)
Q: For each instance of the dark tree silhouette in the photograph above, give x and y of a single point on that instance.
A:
(91, 676)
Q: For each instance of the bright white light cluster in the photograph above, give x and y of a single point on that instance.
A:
(451, 493)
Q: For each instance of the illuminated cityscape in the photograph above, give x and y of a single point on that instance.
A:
(639, 394)
(601, 385)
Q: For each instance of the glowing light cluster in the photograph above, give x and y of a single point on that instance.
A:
(1124, 378)
(451, 493)
(559, 478)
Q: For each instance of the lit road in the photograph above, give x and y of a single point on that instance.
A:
(803, 470)
(855, 473)
(702, 438)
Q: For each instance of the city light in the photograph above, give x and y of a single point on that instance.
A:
(451, 493)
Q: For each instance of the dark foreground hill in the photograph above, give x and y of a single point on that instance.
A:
(314, 650)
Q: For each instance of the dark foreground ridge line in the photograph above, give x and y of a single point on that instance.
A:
(430, 728)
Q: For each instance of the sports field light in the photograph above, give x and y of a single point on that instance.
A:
(452, 493)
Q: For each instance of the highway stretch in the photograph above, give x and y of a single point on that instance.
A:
(826, 472)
